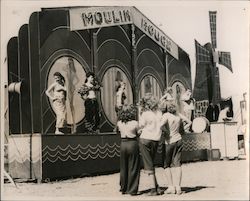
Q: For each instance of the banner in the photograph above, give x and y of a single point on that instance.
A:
(94, 17)
(151, 30)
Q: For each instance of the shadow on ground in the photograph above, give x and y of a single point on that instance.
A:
(183, 189)
(196, 188)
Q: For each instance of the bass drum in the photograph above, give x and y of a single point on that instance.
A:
(200, 125)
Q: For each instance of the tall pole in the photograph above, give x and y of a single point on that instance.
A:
(134, 64)
(166, 66)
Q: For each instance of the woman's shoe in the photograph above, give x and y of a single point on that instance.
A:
(170, 190)
(135, 194)
(178, 190)
(160, 191)
(153, 192)
(122, 191)
(59, 133)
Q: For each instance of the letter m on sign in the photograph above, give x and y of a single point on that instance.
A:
(87, 19)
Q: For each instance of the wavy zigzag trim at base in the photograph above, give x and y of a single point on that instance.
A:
(205, 144)
(192, 149)
(79, 152)
(195, 145)
(80, 157)
(21, 159)
(79, 146)
(24, 164)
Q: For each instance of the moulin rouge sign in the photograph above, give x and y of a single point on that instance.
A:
(95, 17)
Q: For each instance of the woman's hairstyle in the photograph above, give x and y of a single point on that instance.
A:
(119, 85)
(171, 108)
(60, 76)
(149, 103)
(118, 77)
(88, 74)
(127, 113)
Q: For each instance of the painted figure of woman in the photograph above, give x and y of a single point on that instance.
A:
(59, 100)
(188, 104)
(167, 98)
(178, 99)
(129, 151)
(87, 92)
(120, 96)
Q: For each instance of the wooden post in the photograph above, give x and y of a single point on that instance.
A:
(94, 52)
(134, 64)
(166, 66)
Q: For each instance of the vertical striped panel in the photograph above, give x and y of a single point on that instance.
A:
(24, 62)
(35, 90)
(22, 149)
(14, 104)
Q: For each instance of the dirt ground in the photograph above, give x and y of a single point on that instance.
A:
(209, 180)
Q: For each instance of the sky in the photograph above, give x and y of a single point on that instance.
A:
(183, 21)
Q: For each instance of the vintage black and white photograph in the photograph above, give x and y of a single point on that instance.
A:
(124, 100)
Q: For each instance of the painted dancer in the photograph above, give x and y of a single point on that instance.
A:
(172, 125)
(188, 104)
(167, 98)
(129, 151)
(120, 97)
(178, 100)
(87, 92)
(149, 122)
(59, 100)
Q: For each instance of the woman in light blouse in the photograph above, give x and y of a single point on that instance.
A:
(129, 151)
(173, 124)
(150, 129)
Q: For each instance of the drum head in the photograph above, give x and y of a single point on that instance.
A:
(200, 124)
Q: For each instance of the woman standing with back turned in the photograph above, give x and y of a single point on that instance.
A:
(149, 122)
(129, 153)
(173, 148)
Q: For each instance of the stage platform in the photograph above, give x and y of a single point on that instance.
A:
(49, 157)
